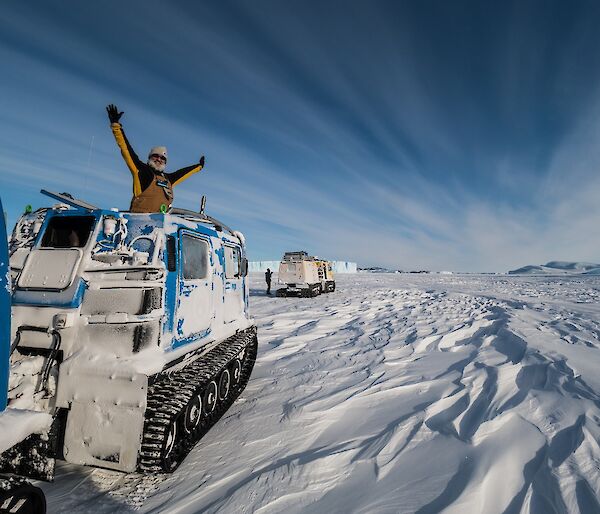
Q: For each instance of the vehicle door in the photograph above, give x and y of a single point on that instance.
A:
(195, 305)
(233, 295)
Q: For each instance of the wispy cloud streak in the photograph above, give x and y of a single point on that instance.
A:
(409, 135)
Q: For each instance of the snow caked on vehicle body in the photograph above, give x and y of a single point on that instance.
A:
(132, 330)
(304, 275)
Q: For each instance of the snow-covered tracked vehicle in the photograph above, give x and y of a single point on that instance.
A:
(131, 330)
(304, 275)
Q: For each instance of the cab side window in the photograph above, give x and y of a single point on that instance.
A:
(232, 262)
(195, 258)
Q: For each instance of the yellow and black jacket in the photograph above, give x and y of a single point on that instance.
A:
(151, 189)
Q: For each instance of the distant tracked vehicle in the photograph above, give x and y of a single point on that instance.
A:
(304, 275)
(131, 330)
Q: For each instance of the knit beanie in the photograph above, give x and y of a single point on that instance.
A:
(158, 150)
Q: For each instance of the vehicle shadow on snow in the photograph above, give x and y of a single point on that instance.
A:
(262, 291)
(98, 490)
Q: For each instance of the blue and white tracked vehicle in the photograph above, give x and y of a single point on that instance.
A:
(131, 330)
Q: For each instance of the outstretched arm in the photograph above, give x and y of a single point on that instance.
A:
(131, 159)
(180, 175)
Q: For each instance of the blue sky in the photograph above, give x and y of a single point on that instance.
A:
(410, 134)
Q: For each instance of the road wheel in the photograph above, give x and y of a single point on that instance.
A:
(170, 454)
(210, 397)
(192, 413)
(236, 371)
(224, 383)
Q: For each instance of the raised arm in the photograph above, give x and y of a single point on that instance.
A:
(180, 175)
(129, 156)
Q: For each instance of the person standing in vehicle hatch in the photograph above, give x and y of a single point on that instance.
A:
(268, 275)
(152, 187)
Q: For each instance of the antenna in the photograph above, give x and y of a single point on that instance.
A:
(88, 167)
(203, 204)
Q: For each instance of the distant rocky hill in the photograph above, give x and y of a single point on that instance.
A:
(559, 268)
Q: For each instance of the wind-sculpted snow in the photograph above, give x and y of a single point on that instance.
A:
(558, 267)
(396, 393)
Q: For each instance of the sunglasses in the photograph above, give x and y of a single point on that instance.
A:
(158, 157)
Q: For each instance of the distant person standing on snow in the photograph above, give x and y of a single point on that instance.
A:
(152, 187)
(268, 275)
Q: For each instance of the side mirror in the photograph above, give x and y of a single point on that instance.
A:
(171, 253)
(244, 267)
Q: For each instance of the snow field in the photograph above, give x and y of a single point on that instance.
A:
(396, 393)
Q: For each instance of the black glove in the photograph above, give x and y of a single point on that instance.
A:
(202, 161)
(113, 113)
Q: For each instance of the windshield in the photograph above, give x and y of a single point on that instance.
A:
(68, 232)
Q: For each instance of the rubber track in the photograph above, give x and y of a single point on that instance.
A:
(169, 394)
